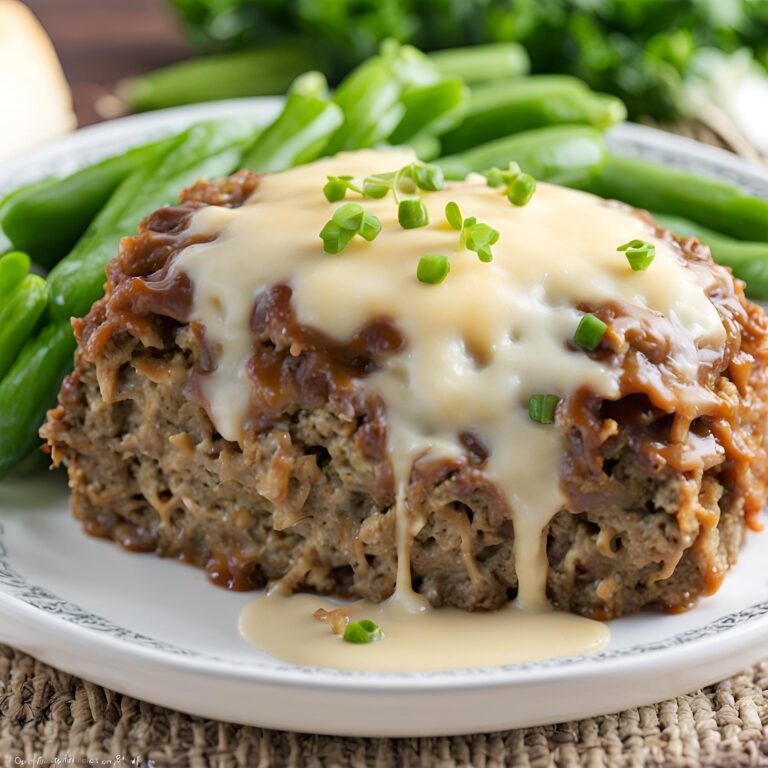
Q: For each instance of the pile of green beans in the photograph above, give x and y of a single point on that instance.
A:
(468, 109)
(208, 149)
(496, 109)
(46, 219)
(715, 204)
(565, 154)
(731, 222)
(747, 260)
(302, 129)
(266, 71)
(36, 340)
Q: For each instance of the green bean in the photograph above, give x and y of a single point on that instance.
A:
(715, 204)
(408, 65)
(430, 109)
(264, 71)
(370, 100)
(300, 132)
(747, 260)
(205, 150)
(14, 267)
(563, 154)
(501, 108)
(47, 218)
(370, 96)
(29, 389)
(426, 146)
(5, 244)
(311, 83)
(33, 463)
(480, 63)
(19, 317)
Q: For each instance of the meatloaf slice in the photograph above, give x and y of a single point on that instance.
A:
(658, 502)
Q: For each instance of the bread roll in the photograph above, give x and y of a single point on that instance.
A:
(35, 99)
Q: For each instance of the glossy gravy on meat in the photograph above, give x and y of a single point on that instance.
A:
(477, 346)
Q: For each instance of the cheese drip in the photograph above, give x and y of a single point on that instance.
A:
(447, 638)
(478, 345)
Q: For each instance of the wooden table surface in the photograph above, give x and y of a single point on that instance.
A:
(102, 41)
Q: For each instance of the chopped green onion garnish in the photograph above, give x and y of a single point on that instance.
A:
(370, 228)
(541, 408)
(410, 177)
(519, 186)
(336, 188)
(640, 254)
(412, 213)
(589, 332)
(363, 631)
(433, 268)
(427, 177)
(453, 215)
(495, 177)
(521, 190)
(378, 185)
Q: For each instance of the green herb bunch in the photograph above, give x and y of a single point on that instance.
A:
(640, 50)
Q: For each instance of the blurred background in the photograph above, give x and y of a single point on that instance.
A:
(101, 42)
(700, 66)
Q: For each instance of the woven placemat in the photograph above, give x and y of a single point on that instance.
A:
(50, 718)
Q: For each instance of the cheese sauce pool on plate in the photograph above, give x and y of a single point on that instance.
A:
(478, 346)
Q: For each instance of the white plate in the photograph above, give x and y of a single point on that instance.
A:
(158, 631)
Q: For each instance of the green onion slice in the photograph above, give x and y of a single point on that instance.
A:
(519, 186)
(370, 227)
(363, 631)
(589, 332)
(640, 254)
(427, 177)
(433, 268)
(378, 185)
(412, 213)
(541, 408)
(520, 191)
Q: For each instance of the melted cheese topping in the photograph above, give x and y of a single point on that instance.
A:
(447, 638)
(478, 345)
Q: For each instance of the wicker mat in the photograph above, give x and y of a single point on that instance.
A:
(51, 718)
